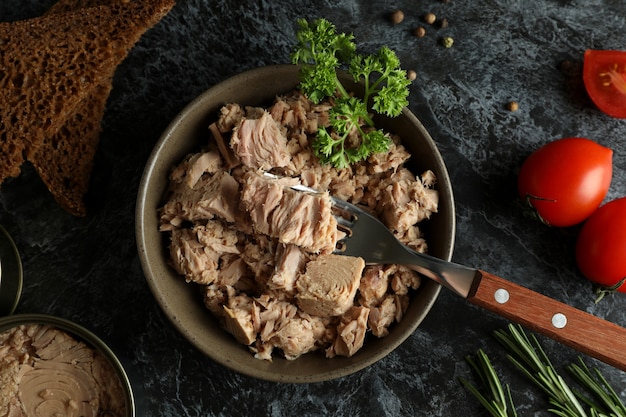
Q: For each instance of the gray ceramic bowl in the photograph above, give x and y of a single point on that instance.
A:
(81, 334)
(180, 301)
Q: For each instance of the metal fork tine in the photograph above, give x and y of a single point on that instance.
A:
(344, 205)
(342, 221)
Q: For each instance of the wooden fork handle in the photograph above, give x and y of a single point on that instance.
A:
(582, 331)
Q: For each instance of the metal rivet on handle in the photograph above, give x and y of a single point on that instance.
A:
(501, 295)
(559, 320)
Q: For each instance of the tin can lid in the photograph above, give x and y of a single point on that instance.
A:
(11, 275)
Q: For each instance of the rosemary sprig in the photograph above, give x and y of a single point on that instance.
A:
(607, 401)
(593, 398)
(529, 357)
(497, 399)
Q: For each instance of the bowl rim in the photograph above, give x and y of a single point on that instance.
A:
(11, 274)
(80, 332)
(142, 240)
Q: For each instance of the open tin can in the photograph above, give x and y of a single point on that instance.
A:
(36, 326)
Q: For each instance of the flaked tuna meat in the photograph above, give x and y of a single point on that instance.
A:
(389, 310)
(218, 196)
(388, 161)
(292, 217)
(272, 315)
(50, 345)
(329, 285)
(212, 195)
(290, 260)
(215, 297)
(196, 252)
(383, 315)
(299, 115)
(346, 184)
(281, 325)
(262, 350)
(299, 163)
(260, 196)
(374, 284)
(403, 279)
(230, 116)
(413, 238)
(343, 186)
(223, 146)
(192, 259)
(233, 272)
(219, 237)
(295, 338)
(294, 113)
(238, 319)
(195, 165)
(406, 202)
(261, 253)
(259, 143)
(428, 178)
(350, 332)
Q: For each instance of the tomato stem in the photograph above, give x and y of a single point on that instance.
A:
(601, 291)
(529, 198)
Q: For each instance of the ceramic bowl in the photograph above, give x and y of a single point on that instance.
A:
(81, 334)
(181, 302)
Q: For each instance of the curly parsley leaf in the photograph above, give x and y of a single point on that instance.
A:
(322, 52)
(346, 118)
(384, 80)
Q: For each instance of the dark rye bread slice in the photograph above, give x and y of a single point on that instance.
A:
(65, 161)
(50, 64)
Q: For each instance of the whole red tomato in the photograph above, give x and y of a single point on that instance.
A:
(601, 245)
(604, 75)
(566, 180)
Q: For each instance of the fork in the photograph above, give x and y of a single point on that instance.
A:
(368, 238)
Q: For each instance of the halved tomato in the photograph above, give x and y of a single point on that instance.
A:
(604, 75)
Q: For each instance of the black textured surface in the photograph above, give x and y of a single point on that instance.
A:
(87, 270)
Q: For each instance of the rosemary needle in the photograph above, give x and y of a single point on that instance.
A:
(496, 399)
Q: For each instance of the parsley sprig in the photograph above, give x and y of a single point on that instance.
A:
(594, 398)
(321, 52)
